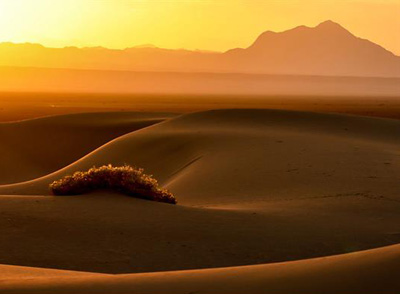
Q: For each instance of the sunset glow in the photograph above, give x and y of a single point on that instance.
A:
(193, 24)
(198, 146)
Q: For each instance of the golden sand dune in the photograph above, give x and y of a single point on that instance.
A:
(373, 271)
(225, 156)
(253, 187)
(33, 148)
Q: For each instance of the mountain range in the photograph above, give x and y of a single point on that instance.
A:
(325, 50)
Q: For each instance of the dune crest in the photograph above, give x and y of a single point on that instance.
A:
(33, 148)
(366, 272)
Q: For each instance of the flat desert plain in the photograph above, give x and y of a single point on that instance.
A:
(269, 201)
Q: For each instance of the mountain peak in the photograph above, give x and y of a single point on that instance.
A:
(327, 29)
(330, 25)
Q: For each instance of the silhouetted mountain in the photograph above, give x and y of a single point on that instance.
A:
(327, 49)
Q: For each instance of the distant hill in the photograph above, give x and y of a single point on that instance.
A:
(327, 50)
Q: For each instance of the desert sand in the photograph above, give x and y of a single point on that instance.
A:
(269, 201)
(361, 272)
(55, 142)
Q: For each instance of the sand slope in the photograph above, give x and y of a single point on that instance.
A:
(374, 271)
(254, 186)
(12, 272)
(33, 148)
(220, 156)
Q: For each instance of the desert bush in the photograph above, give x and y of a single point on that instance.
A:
(124, 179)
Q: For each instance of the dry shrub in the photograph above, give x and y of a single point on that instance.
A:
(124, 179)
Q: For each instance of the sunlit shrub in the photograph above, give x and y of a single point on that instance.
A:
(124, 179)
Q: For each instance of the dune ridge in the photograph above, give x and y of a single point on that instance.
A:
(13, 272)
(192, 135)
(35, 147)
(372, 271)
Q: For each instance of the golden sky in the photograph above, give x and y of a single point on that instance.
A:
(192, 24)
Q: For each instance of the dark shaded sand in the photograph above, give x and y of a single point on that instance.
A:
(33, 148)
(374, 271)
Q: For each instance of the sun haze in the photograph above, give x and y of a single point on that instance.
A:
(193, 24)
(199, 146)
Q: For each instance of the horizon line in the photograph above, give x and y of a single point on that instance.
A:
(197, 50)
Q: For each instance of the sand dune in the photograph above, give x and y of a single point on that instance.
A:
(257, 152)
(12, 272)
(33, 148)
(374, 271)
(253, 186)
